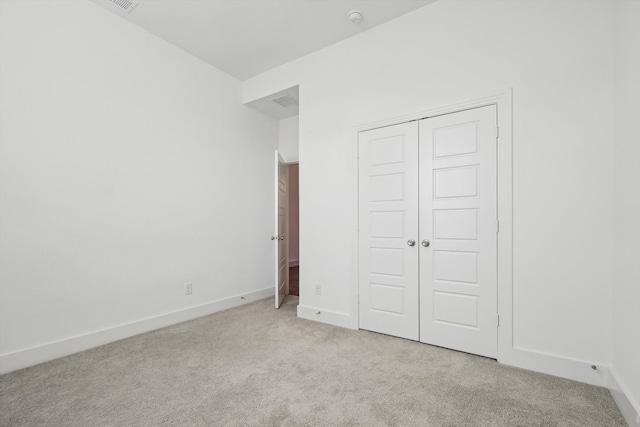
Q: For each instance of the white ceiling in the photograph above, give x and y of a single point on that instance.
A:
(247, 37)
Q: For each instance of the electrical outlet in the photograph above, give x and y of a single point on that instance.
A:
(318, 289)
(188, 288)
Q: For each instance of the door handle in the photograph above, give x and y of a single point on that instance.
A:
(411, 242)
(273, 237)
(425, 243)
(280, 237)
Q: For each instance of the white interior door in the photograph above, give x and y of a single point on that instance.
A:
(458, 231)
(388, 229)
(281, 234)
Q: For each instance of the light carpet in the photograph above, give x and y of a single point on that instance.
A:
(254, 365)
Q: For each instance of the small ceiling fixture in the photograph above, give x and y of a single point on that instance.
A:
(355, 16)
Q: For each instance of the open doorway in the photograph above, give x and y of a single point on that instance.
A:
(284, 106)
(293, 229)
(288, 142)
(286, 228)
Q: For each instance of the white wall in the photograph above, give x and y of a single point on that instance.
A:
(558, 58)
(626, 190)
(288, 139)
(128, 168)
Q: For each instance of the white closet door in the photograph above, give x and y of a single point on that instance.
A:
(458, 222)
(388, 227)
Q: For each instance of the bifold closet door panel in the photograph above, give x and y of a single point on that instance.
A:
(458, 231)
(388, 230)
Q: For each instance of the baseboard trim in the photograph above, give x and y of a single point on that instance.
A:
(294, 263)
(325, 316)
(628, 406)
(559, 366)
(43, 353)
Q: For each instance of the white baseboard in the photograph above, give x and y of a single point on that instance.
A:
(294, 263)
(324, 316)
(559, 366)
(628, 406)
(53, 350)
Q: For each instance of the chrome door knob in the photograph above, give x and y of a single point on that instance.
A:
(411, 242)
(280, 237)
(273, 237)
(426, 243)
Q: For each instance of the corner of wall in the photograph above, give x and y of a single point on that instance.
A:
(629, 408)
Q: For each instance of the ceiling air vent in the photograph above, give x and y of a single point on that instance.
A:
(285, 100)
(127, 5)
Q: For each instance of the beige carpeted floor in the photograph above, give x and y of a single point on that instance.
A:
(254, 365)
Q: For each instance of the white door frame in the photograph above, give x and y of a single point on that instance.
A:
(502, 99)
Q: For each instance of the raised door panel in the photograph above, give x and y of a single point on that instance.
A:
(387, 187)
(455, 182)
(455, 224)
(455, 140)
(387, 225)
(455, 266)
(388, 218)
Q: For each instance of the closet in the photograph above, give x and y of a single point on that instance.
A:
(428, 230)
